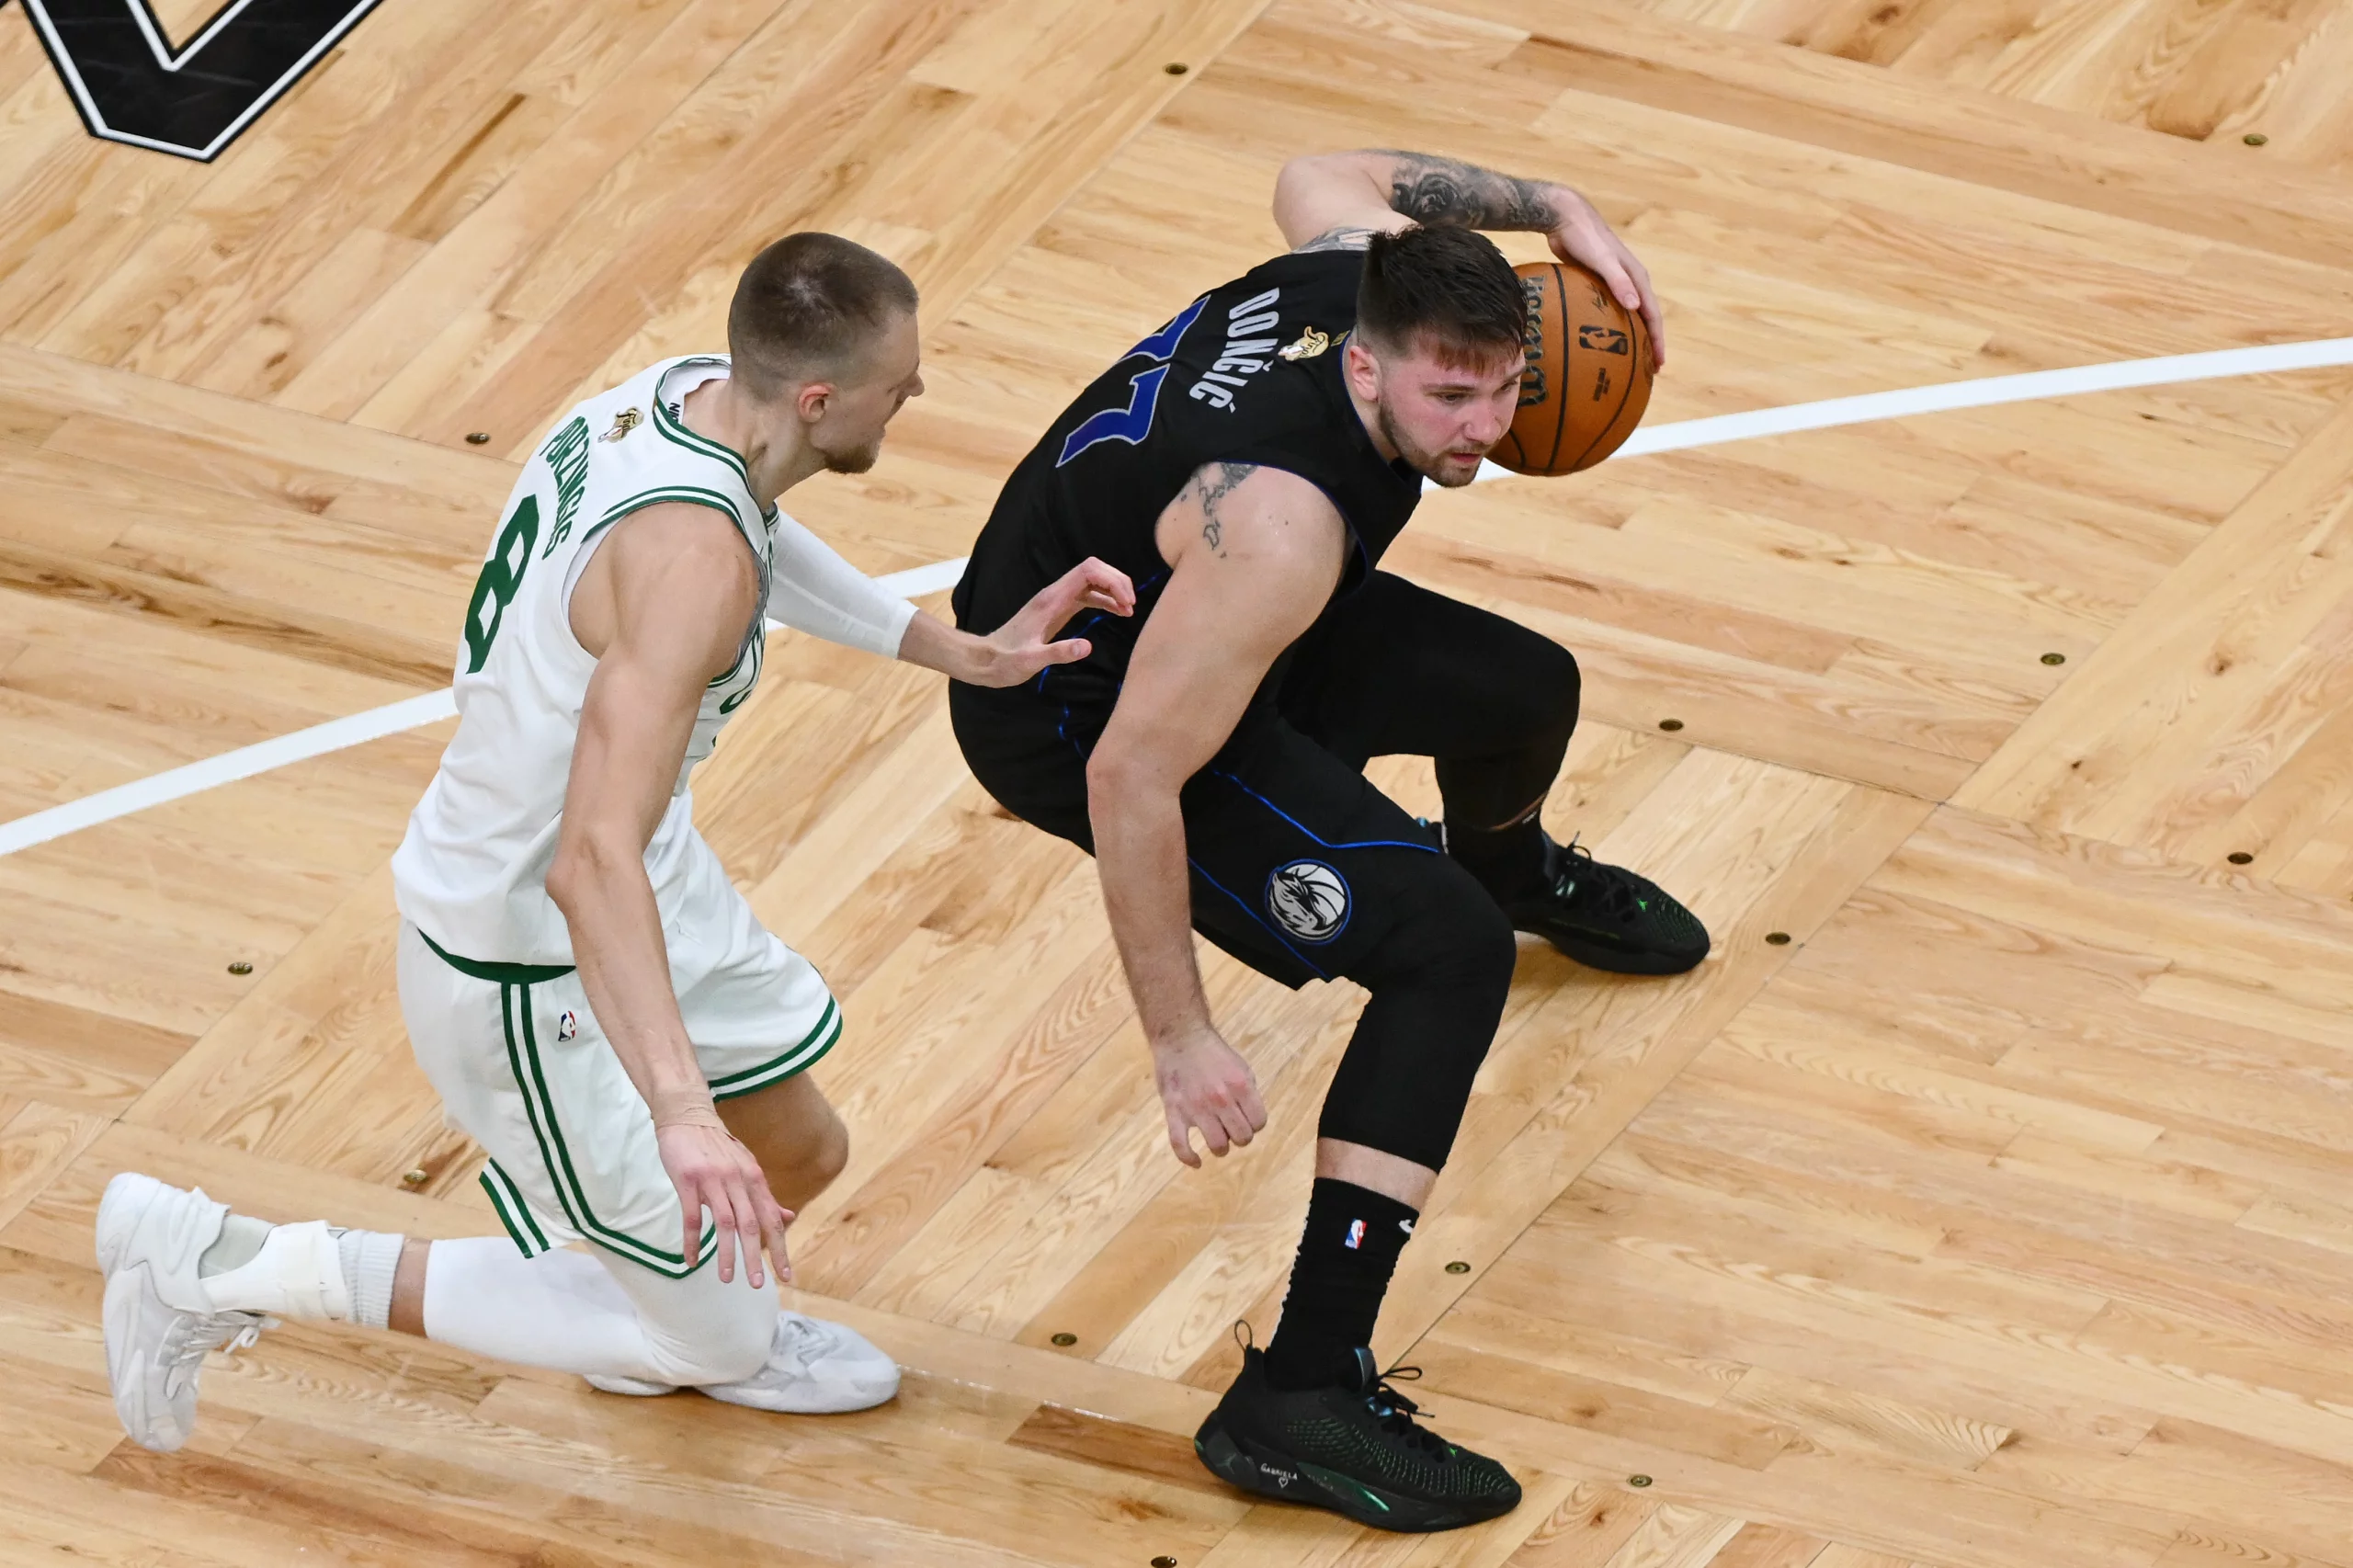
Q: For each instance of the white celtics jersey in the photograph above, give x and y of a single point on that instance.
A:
(471, 874)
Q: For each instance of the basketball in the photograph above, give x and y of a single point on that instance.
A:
(1588, 377)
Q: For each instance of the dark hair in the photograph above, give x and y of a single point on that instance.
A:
(1447, 287)
(807, 305)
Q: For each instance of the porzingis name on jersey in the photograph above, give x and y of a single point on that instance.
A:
(567, 457)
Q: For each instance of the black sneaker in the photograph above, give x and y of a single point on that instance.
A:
(1608, 919)
(1354, 1451)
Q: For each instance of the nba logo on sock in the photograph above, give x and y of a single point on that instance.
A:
(566, 1026)
(1355, 1233)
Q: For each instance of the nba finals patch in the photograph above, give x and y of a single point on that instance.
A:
(1308, 898)
(1310, 342)
(627, 420)
(566, 1026)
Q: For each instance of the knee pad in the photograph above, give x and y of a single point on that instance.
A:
(1439, 979)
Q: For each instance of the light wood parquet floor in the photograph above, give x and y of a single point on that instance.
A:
(1995, 1218)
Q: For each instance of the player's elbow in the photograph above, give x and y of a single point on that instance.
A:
(1109, 770)
(1308, 170)
(582, 861)
(1120, 779)
(1305, 187)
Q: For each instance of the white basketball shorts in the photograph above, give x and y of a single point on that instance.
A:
(521, 1067)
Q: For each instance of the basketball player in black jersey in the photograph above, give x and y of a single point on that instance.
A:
(1246, 465)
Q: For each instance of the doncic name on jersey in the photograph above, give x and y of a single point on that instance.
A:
(1245, 352)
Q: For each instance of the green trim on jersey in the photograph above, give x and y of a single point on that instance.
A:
(539, 1106)
(800, 1059)
(674, 427)
(692, 495)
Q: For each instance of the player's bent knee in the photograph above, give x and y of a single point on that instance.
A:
(1554, 686)
(700, 1329)
(811, 1164)
(744, 1349)
(713, 1331)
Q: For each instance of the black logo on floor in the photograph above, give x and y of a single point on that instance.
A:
(132, 85)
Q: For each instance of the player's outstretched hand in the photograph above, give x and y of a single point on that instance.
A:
(713, 1171)
(1205, 1083)
(1020, 648)
(1583, 236)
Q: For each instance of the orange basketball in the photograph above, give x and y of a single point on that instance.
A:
(1588, 376)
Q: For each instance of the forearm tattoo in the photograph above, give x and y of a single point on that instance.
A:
(1433, 190)
(1212, 483)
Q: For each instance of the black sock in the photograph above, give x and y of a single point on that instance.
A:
(1346, 1255)
(1508, 861)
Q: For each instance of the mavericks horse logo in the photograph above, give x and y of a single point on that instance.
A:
(1308, 898)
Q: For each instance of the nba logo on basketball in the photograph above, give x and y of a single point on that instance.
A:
(1355, 1233)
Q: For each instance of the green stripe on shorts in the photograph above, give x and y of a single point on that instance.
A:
(523, 1058)
(799, 1059)
(513, 1211)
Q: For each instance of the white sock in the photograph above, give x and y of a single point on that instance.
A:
(311, 1271)
(370, 1260)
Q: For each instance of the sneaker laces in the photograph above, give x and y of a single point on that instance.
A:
(193, 1336)
(801, 1338)
(1396, 1414)
(1607, 890)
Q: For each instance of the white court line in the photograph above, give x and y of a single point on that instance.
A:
(337, 735)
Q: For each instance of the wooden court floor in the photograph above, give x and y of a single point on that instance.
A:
(1986, 1201)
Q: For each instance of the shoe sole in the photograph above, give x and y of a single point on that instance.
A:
(1613, 961)
(1254, 1469)
(636, 1389)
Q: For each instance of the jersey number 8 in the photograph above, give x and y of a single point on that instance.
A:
(501, 575)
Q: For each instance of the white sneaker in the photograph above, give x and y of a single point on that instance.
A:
(814, 1368)
(159, 1322)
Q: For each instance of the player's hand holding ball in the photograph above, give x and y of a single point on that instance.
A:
(1593, 346)
(1585, 240)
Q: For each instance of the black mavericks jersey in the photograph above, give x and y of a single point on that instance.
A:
(1249, 373)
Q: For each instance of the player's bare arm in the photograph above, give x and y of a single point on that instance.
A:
(663, 605)
(1335, 200)
(1254, 555)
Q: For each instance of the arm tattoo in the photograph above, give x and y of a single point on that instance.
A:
(1434, 190)
(1212, 483)
(1338, 239)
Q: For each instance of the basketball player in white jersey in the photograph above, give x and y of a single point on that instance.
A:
(593, 999)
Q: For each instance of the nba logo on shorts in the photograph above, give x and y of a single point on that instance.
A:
(566, 1026)
(1355, 1233)
(1308, 898)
